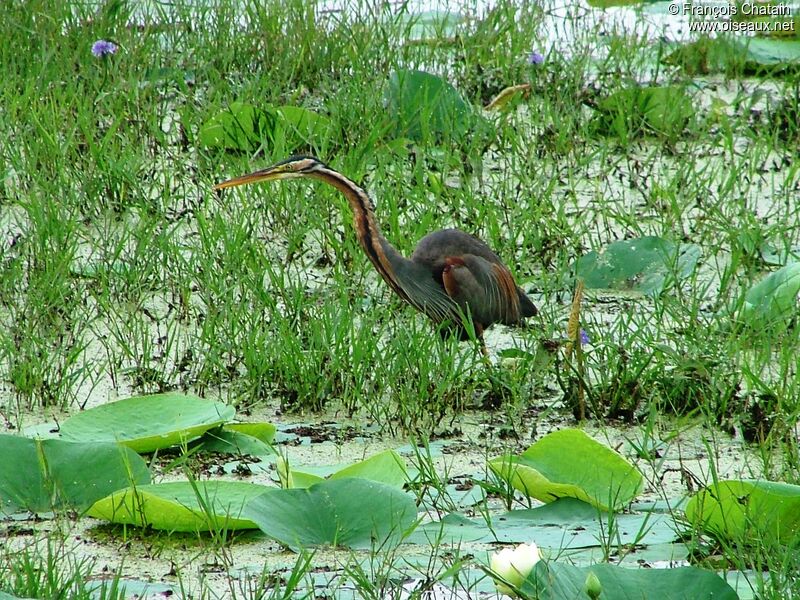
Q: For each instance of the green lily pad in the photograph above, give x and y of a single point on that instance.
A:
(569, 463)
(707, 55)
(264, 432)
(292, 478)
(774, 299)
(779, 257)
(350, 512)
(737, 53)
(245, 127)
(644, 264)
(508, 97)
(748, 510)
(434, 27)
(663, 110)
(188, 506)
(425, 107)
(303, 126)
(240, 126)
(556, 580)
(770, 51)
(565, 525)
(53, 474)
(239, 438)
(386, 467)
(148, 423)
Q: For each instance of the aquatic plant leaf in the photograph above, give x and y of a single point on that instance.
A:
(664, 110)
(264, 432)
(386, 467)
(425, 107)
(181, 505)
(569, 463)
(643, 264)
(239, 438)
(54, 474)
(743, 510)
(292, 478)
(432, 27)
(513, 92)
(565, 524)
(148, 423)
(240, 126)
(245, 127)
(780, 257)
(774, 299)
(350, 512)
(707, 55)
(303, 126)
(770, 51)
(736, 53)
(557, 580)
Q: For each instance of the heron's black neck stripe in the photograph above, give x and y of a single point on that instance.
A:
(366, 227)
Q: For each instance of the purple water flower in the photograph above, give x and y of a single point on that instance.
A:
(584, 337)
(103, 48)
(535, 58)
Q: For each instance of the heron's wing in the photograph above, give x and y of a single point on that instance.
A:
(425, 293)
(483, 289)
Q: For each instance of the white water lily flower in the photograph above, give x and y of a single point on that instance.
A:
(514, 565)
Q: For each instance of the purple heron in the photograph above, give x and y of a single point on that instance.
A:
(451, 277)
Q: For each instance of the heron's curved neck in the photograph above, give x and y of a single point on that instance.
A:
(383, 256)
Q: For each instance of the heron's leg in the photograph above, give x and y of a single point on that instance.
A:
(482, 344)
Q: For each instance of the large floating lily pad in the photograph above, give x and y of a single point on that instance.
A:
(779, 256)
(569, 463)
(745, 511)
(632, 111)
(645, 265)
(148, 423)
(350, 512)
(240, 126)
(567, 524)
(425, 107)
(386, 467)
(243, 126)
(771, 52)
(741, 53)
(181, 505)
(239, 438)
(434, 27)
(557, 581)
(53, 474)
(774, 299)
(302, 126)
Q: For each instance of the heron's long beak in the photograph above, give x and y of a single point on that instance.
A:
(268, 174)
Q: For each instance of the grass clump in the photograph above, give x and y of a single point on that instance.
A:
(50, 570)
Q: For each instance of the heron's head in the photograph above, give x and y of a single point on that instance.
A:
(292, 167)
